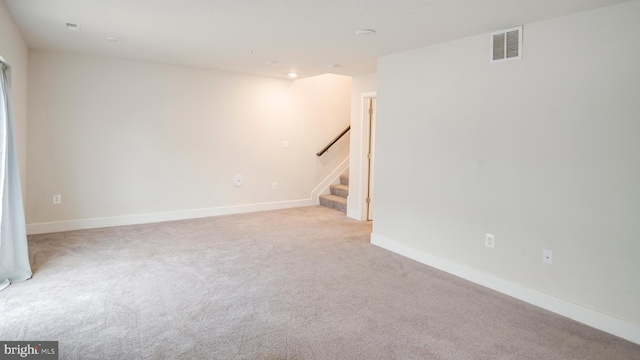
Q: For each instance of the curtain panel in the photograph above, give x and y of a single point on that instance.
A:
(14, 252)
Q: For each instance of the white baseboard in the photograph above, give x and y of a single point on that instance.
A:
(355, 214)
(50, 227)
(593, 318)
(42, 228)
(324, 185)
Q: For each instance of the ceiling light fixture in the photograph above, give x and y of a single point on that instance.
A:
(293, 75)
(114, 39)
(365, 32)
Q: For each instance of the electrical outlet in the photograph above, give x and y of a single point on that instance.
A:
(274, 185)
(285, 144)
(57, 199)
(547, 257)
(489, 240)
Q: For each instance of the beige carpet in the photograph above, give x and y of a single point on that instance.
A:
(293, 284)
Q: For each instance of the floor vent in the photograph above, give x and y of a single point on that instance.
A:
(506, 45)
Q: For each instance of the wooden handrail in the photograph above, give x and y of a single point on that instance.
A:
(324, 150)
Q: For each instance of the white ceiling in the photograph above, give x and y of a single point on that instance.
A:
(244, 35)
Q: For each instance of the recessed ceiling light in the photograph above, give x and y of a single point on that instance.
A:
(365, 32)
(73, 27)
(293, 75)
(273, 62)
(114, 39)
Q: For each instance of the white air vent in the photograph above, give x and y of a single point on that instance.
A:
(73, 27)
(506, 45)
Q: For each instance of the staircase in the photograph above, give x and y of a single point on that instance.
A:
(338, 198)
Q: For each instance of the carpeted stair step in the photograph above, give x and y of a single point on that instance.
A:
(334, 202)
(340, 190)
(344, 179)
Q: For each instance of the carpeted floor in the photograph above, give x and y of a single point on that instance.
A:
(300, 283)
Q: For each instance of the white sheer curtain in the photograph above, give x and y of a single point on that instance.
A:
(14, 254)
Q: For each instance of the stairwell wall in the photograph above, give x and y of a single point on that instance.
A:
(120, 139)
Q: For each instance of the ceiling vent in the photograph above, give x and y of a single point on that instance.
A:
(506, 45)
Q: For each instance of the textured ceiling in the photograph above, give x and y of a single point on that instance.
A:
(244, 35)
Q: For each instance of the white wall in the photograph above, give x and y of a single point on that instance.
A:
(543, 152)
(119, 138)
(14, 50)
(363, 84)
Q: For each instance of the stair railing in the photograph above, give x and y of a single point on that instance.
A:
(324, 150)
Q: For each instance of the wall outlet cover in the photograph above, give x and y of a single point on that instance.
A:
(547, 257)
(489, 240)
(238, 180)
